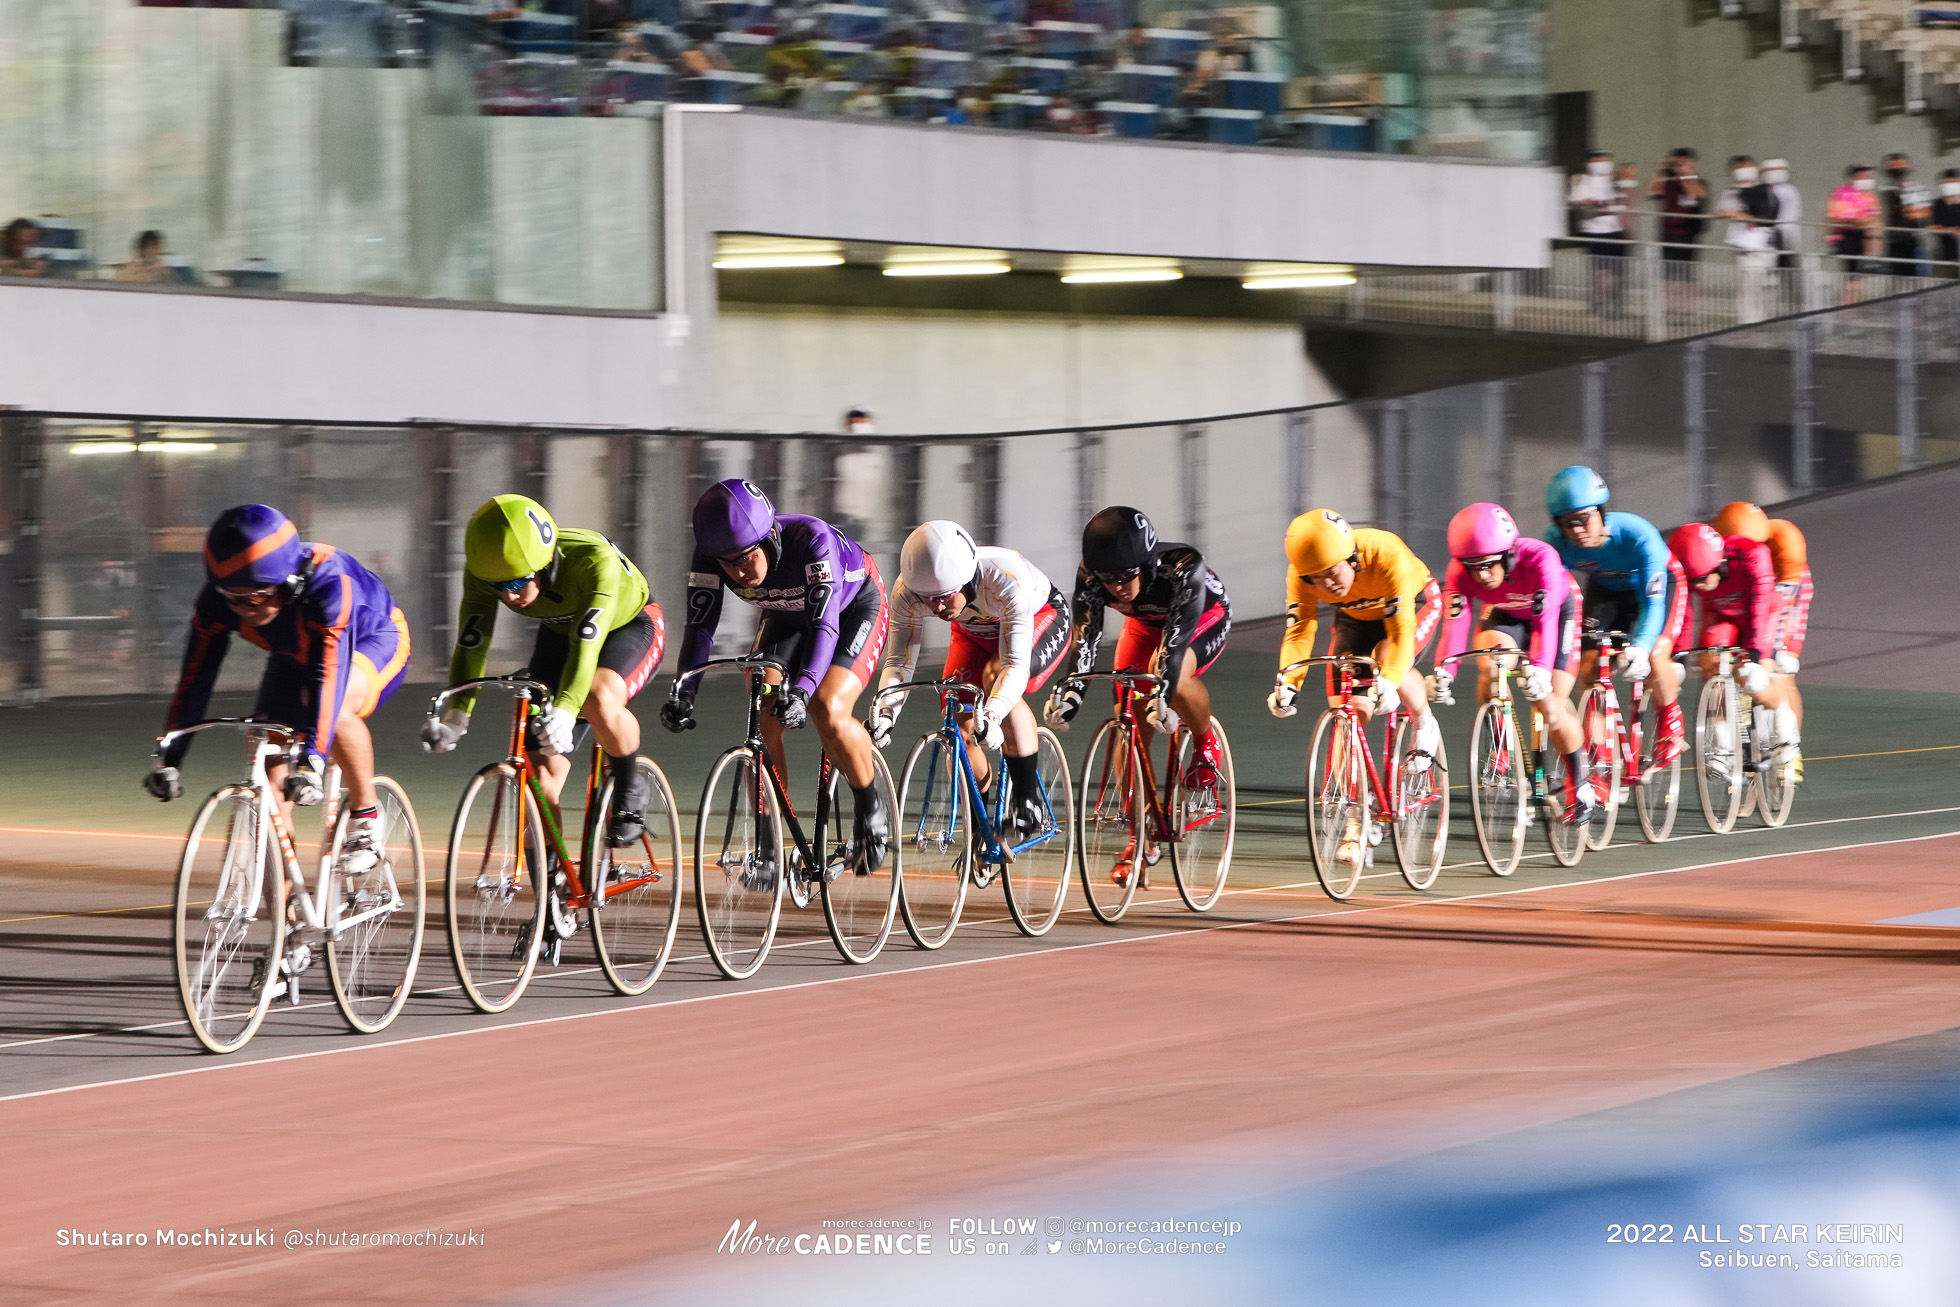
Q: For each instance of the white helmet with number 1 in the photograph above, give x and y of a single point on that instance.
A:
(938, 558)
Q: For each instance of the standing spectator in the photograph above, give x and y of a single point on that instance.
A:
(1946, 223)
(146, 263)
(1852, 213)
(1787, 211)
(1752, 233)
(1903, 210)
(1600, 216)
(1683, 202)
(17, 257)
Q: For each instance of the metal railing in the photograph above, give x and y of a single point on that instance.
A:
(102, 518)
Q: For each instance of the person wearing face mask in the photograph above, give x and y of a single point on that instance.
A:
(1787, 234)
(1945, 224)
(1599, 214)
(1904, 207)
(1853, 215)
(1752, 233)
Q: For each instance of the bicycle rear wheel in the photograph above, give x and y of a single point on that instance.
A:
(1337, 798)
(1774, 792)
(937, 831)
(372, 962)
(1205, 820)
(1568, 843)
(1497, 787)
(1036, 881)
(492, 887)
(738, 864)
(1422, 809)
(229, 920)
(1599, 724)
(860, 903)
(1718, 756)
(1108, 854)
(636, 890)
(1656, 790)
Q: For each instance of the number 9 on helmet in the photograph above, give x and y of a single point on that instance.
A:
(938, 558)
(509, 537)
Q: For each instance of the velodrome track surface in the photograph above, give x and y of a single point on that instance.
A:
(1283, 1036)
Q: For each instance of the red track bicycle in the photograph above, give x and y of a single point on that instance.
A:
(1620, 750)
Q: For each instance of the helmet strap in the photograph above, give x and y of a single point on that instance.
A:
(296, 584)
(772, 547)
(548, 574)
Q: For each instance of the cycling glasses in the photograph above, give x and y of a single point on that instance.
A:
(1119, 578)
(1574, 520)
(257, 596)
(1484, 564)
(513, 585)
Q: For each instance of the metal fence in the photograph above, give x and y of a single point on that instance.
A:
(102, 518)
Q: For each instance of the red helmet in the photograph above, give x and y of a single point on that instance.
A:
(1700, 548)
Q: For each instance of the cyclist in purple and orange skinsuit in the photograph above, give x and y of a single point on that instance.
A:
(338, 646)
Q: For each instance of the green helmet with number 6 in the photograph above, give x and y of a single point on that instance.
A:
(509, 537)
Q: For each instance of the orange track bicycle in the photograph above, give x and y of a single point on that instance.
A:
(514, 890)
(1126, 823)
(1412, 801)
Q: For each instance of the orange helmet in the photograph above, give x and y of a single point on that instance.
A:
(1743, 519)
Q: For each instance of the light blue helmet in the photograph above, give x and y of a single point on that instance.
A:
(1574, 488)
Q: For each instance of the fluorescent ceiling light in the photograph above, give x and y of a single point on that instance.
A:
(1299, 281)
(177, 446)
(737, 262)
(104, 447)
(1124, 274)
(947, 269)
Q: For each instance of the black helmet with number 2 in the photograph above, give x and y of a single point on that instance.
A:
(1117, 542)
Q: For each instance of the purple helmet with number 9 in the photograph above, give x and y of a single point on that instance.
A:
(1482, 530)
(732, 517)
(252, 545)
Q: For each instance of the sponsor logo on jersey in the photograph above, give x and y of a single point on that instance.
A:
(704, 580)
(817, 573)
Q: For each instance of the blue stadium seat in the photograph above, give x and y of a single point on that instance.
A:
(1043, 76)
(1260, 91)
(1130, 119)
(1019, 110)
(537, 33)
(1173, 45)
(1231, 126)
(946, 69)
(1148, 83)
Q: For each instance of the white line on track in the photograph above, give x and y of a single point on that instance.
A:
(862, 976)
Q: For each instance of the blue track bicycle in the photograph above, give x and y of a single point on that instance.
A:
(957, 834)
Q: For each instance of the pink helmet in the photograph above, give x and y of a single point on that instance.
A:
(1482, 530)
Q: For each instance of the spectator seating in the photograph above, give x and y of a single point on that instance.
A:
(1177, 46)
(1148, 83)
(1258, 91)
(1043, 76)
(1131, 119)
(852, 22)
(1230, 126)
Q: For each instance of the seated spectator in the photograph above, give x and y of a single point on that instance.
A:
(17, 243)
(868, 102)
(146, 263)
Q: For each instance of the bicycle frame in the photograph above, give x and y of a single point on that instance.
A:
(1127, 684)
(760, 688)
(530, 697)
(1725, 659)
(1385, 810)
(1501, 675)
(1639, 766)
(987, 824)
(272, 741)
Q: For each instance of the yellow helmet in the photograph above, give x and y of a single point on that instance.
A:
(1318, 539)
(1744, 519)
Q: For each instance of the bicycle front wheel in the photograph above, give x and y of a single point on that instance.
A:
(1204, 820)
(1036, 881)
(1599, 722)
(738, 864)
(229, 922)
(1422, 808)
(1108, 852)
(372, 956)
(1656, 789)
(636, 889)
(1718, 757)
(492, 885)
(937, 831)
(1498, 785)
(1337, 799)
(860, 896)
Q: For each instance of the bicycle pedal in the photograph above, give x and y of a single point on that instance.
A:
(292, 991)
(554, 949)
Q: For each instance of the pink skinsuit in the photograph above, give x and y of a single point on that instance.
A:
(1535, 587)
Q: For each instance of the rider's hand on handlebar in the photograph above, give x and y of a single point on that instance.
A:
(306, 784)
(1280, 701)
(987, 729)
(1753, 678)
(439, 734)
(554, 730)
(1634, 664)
(677, 714)
(879, 724)
(162, 784)
(1786, 662)
(1437, 685)
(793, 708)
(1063, 704)
(1384, 697)
(1537, 683)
